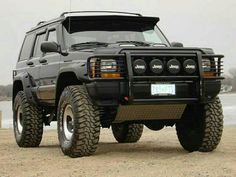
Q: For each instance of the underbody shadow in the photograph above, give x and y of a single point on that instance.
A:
(140, 147)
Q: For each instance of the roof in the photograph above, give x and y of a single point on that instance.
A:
(95, 14)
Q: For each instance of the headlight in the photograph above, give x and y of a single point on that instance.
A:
(108, 65)
(206, 64)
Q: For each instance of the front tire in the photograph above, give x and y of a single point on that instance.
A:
(27, 122)
(78, 123)
(127, 133)
(201, 127)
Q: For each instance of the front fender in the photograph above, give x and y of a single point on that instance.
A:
(79, 69)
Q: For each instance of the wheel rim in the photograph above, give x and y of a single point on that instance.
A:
(68, 122)
(19, 119)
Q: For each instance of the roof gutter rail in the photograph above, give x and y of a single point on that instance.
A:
(112, 12)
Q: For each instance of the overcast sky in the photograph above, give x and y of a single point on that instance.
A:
(197, 23)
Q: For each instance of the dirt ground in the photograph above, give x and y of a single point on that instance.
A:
(156, 154)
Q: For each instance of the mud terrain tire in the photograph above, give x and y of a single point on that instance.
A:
(27, 122)
(201, 127)
(127, 133)
(83, 136)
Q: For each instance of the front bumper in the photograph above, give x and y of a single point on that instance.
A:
(113, 93)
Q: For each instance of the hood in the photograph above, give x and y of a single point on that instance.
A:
(116, 49)
(208, 51)
(110, 50)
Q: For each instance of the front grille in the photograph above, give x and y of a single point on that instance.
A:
(126, 63)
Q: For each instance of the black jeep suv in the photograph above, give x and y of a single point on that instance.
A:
(89, 69)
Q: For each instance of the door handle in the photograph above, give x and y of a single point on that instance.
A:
(29, 63)
(43, 61)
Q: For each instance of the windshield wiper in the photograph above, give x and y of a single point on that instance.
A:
(158, 44)
(140, 43)
(89, 44)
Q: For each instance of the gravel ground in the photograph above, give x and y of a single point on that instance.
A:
(156, 154)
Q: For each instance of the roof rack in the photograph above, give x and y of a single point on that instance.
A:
(41, 22)
(116, 12)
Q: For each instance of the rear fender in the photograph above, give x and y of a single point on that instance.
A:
(28, 84)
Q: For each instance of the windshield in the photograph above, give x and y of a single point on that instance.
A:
(111, 31)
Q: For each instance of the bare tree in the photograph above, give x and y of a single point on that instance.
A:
(232, 72)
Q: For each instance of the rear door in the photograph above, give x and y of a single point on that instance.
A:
(23, 64)
(50, 64)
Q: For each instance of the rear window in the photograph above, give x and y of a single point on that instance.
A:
(27, 47)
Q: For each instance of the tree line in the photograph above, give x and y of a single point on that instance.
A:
(5, 92)
(230, 79)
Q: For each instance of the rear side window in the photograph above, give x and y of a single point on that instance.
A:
(37, 47)
(27, 47)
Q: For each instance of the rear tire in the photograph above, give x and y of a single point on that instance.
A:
(201, 127)
(27, 122)
(78, 123)
(127, 133)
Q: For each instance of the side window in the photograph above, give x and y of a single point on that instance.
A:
(37, 47)
(27, 47)
(52, 36)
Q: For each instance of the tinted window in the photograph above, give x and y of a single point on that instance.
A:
(27, 47)
(112, 31)
(52, 36)
(37, 47)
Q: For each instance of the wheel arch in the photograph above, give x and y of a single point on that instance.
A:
(17, 86)
(65, 79)
(24, 82)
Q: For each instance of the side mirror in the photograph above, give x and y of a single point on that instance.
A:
(176, 44)
(47, 47)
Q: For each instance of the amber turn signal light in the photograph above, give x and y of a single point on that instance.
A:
(93, 69)
(208, 74)
(110, 75)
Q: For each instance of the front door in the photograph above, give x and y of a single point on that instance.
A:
(50, 64)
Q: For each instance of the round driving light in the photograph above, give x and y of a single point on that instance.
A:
(156, 66)
(173, 66)
(139, 66)
(190, 66)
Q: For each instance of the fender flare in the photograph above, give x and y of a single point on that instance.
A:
(79, 69)
(28, 85)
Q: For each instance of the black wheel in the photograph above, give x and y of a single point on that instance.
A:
(127, 133)
(27, 122)
(78, 122)
(201, 127)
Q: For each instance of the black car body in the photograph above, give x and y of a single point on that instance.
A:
(128, 67)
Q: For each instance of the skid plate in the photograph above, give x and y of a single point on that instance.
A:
(149, 112)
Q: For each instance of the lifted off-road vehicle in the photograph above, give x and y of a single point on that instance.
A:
(88, 70)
